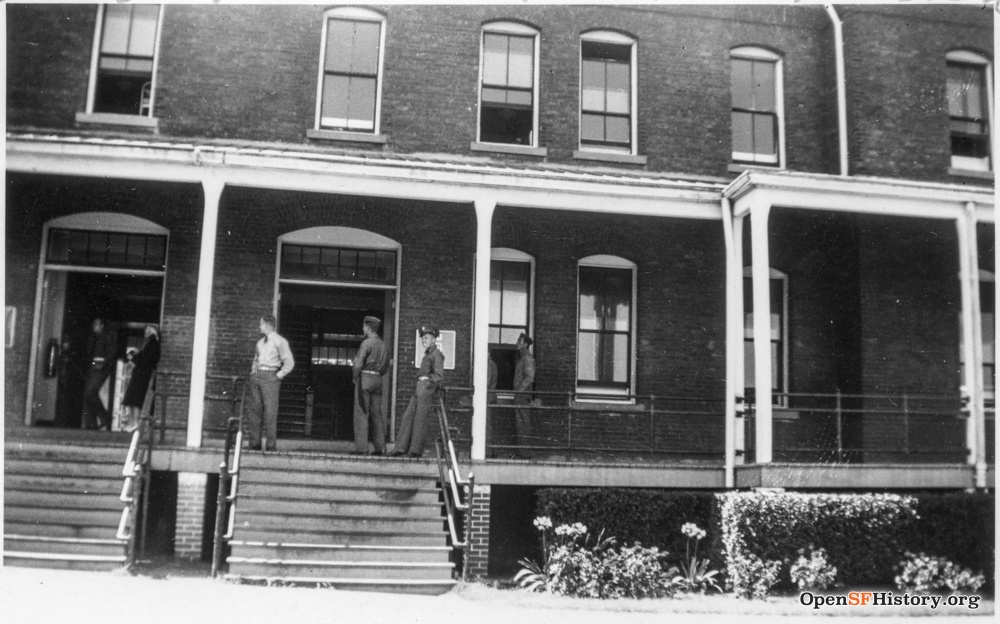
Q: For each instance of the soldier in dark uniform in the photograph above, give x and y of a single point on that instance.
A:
(413, 431)
(102, 361)
(524, 381)
(370, 364)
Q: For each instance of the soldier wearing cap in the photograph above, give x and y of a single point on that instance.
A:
(370, 364)
(413, 431)
(524, 382)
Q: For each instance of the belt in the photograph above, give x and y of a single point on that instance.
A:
(268, 368)
(368, 372)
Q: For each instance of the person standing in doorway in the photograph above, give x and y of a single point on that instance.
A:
(102, 361)
(524, 383)
(271, 363)
(370, 364)
(413, 431)
(145, 361)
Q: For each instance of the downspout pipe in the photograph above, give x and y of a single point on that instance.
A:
(838, 39)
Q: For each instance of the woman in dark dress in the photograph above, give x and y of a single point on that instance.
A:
(145, 360)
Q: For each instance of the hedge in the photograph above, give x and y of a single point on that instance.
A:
(959, 527)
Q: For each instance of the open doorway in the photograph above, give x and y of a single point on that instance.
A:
(323, 326)
(70, 302)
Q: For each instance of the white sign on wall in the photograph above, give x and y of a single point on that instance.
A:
(445, 342)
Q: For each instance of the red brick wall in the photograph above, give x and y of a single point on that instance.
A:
(33, 200)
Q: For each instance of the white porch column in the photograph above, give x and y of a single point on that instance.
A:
(203, 308)
(481, 328)
(761, 331)
(734, 340)
(972, 343)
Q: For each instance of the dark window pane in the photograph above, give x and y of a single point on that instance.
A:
(339, 42)
(366, 46)
(763, 86)
(361, 104)
(592, 128)
(618, 130)
(58, 246)
(116, 249)
(506, 125)
(156, 252)
(742, 133)
(765, 141)
(741, 81)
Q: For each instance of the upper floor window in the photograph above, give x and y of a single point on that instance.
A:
(349, 92)
(778, 333)
(758, 112)
(124, 65)
(508, 94)
(607, 92)
(969, 95)
(605, 330)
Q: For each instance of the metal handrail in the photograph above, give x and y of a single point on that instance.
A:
(451, 481)
(135, 488)
(229, 478)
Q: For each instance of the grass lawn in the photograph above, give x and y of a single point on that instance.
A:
(714, 603)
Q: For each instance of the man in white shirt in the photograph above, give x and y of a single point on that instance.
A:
(272, 363)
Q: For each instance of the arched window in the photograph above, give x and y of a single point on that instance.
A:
(779, 333)
(970, 100)
(758, 112)
(607, 92)
(508, 85)
(349, 90)
(606, 326)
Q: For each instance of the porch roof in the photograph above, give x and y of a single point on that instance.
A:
(434, 177)
(757, 189)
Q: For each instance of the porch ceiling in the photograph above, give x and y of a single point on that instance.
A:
(883, 196)
(422, 176)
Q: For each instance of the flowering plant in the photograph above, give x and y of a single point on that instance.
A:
(696, 575)
(814, 572)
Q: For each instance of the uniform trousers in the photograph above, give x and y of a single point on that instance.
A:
(522, 419)
(413, 431)
(368, 413)
(264, 389)
(95, 415)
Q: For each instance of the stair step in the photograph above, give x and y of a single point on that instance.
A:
(340, 569)
(348, 538)
(50, 529)
(340, 552)
(401, 483)
(70, 468)
(67, 562)
(354, 464)
(50, 483)
(21, 543)
(281, 490)
(63, 500)
(68, 517)
(113, 453)
(383, 510)
(293, 521)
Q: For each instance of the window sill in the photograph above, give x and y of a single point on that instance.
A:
(350, 137)
(117, 119)
(970, 173)
(741, 167)
(501, 148)
(613, 157)
(582, 403)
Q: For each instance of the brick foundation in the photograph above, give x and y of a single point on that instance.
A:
(190, 514)
(477, 557)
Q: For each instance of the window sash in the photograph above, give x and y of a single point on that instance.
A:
(604, 327)
(106, 249)
(336, 264)
(510, 300)
(777, 335)
(350, 75)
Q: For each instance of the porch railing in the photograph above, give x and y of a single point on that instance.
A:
(135, 489)
(452, 484)
(573, 425)
(229, 479)
(172, 387)
(864, 428)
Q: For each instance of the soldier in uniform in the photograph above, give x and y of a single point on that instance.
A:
(524, 381)
(370, 364)
(102, 362)
(271, 363)
(413, 431)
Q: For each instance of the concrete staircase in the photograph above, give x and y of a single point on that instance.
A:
(61, 507)
(366, 523)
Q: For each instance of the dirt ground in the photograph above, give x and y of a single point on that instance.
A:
(39, 596)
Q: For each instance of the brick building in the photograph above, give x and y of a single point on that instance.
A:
(643, 180)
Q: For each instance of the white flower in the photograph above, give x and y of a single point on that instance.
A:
(691, 530)
(542, 523)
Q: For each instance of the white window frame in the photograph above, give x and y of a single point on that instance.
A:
(505, 254)
(608, 262)
(95, 57)
(753, 53)
(605, 36)
(354, 14)
(964, 163)
(776, 275)
(509, 28)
